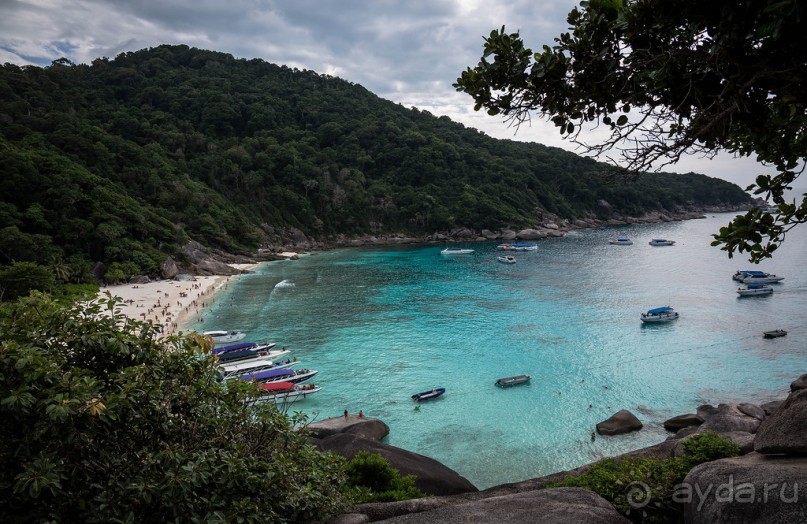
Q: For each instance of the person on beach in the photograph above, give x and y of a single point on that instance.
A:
(345, 414)
(361, 414)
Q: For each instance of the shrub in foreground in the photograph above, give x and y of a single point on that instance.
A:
(374, 480)
(643, 488)
(105, 422)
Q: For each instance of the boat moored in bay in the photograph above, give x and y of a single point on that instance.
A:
(513, 381)
(659, 314)
(428, 395)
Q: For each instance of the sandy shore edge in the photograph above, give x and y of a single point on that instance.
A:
(171, 303)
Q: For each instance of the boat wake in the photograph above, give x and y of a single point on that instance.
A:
(284, 284)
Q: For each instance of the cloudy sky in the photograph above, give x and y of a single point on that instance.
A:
(406, 51)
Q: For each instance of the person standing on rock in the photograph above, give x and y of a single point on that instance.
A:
(345, 414)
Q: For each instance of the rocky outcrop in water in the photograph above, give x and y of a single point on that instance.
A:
(621, 422)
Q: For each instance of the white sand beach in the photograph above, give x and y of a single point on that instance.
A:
(170, 302)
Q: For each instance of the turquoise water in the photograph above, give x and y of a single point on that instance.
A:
(382, 324)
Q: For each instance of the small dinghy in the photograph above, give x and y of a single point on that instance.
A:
(513, 381)
(775, 333)
(428, 395)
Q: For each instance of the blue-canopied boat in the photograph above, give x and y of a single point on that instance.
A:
(253, 365)
(428, 395)
(254, 346)
(662, 242)
(621, 241)
(229, 357)
(659, 314)
(752, 290)
(280, 375)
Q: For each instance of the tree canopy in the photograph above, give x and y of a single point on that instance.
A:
(103, 421)
(125, 160)
(667, 79)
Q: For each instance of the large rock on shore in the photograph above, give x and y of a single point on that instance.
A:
(682, 421)
(753, 488)
(548, 506)
(432, 477)
(730, 417)
(620, 422)
(365, 427)
(786, 430)
(799, 383)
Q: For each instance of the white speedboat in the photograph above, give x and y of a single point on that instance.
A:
(760, 277)
(224, 337)
(507, 259)
(662, 242)
(253, 365)
(456, 251)
(659, 314)
(285, 392)
(524, 246)
(621, 242)
(243, 355)
(755, 289)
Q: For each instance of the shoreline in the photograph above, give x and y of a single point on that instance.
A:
(171, 303)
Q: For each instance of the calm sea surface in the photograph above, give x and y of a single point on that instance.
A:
(382, 324)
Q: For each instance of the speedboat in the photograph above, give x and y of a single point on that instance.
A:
(285, 392)
(659, 314)
(662, 242)
(230, 357)
(513, 381)
(525, 246)
(776, 333)
(253, 365)
(740, 275)
(428, 395)
(621, 242)
(755, 289)
(280, 375)
(507, 259)
(254, 346)
(456, 251)
(760, 277)
(224, 337)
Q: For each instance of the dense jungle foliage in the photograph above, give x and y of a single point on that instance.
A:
(125, 160)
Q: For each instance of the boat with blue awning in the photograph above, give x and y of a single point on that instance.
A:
(659, 314)
(755, 289)
(280, 375)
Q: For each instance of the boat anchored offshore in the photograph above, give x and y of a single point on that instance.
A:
(525, 246)
(754, 290)
(428, 395)
(513, 381)
(662, 242)
(760, 277)
(776, 333)
(621, 242)
(456, 251)
(280, 375)
(507, 259)
(659, 314)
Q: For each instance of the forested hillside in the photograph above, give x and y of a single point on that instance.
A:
(125, 160)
